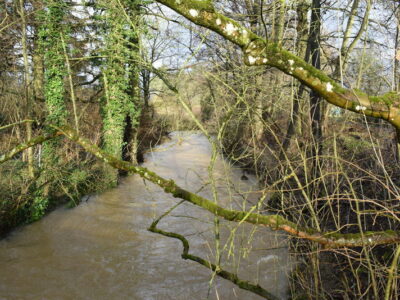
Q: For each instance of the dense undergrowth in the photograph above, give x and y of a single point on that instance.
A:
(77, 174)
(350, 187)
(19, 193)
(356, 191)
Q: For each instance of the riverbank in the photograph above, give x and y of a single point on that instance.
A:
(77, 174)
(353, 190)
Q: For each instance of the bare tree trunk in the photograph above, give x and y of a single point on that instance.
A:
(266, 109)
(279, 21)
(316, 114)
(71, 84)
(396, 74)
(28, 102)
(347, 46)
(301, 45)
(38, 74)
(253, 8)
(146, 87)
(396, 80)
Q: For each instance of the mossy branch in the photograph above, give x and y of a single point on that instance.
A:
(276, 222)
(258, 51)
(21, 147)
(243, 284)
(16, 123)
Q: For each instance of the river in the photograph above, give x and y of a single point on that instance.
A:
(102, 249)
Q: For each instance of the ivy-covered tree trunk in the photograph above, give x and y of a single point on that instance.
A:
(50, 43)
(133, 116)
(121, 82)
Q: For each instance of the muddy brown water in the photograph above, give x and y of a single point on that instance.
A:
(102, 249)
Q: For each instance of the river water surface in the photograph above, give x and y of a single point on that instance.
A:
(102, 249)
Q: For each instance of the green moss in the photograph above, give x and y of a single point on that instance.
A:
(51, 32)
(357, 144)
(359, 93)
(347, 236)
(387, 233)
(121, 79)
(206, 5)
(388, 98)
(357, 236)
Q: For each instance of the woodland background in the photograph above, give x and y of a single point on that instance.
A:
(124, 73)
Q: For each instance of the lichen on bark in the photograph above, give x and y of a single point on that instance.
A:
(267, 52)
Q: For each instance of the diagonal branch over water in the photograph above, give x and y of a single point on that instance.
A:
(276, 222)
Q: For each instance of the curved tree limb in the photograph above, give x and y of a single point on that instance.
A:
(362, 29)
(243, 284)
(258, 51)
(276, 222)
(16, 123)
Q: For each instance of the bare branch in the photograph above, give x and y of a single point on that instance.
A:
(243, 284)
